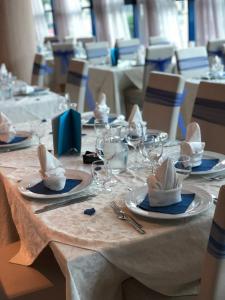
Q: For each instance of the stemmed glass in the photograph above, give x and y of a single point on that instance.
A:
(100, 174)
(134, 138)
(183, 167)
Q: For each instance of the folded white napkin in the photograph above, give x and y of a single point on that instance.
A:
(3, 70)
(164, 187)
(7, 130)
(193, 145)
(51, 170)
(135, 116)
(102, 110)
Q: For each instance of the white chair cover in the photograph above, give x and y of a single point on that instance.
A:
(127, 49)
(163, 98)
(68, 39)
(98, 53)
(192, 62)
(85, 40)
(63, 53)
(51, 39)
(40, 70)
(158, 40)
(215, 48)
(76, 84)
(209, 112)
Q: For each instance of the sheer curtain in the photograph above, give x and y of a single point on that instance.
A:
(210, 20)
(68, 18)
(111, 20)
(161, 18)
(41, 26)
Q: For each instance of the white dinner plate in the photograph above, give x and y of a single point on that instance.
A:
(70, 174)
(202, 201)
(23, 144)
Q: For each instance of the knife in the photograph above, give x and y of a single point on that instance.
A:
(63, 203)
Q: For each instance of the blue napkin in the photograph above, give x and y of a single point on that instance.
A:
(67, 132)
(173, 209)
(92, 120)
(40, 188)
(206, 165)
(17, 139)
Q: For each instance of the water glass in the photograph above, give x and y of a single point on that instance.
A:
(183, 167)
(101, 176)
(100, 127)
(134, 138)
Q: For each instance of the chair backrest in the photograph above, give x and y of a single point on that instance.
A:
(68, 39)
(127, 49)
(85, 40)
(51, 39)
(192, 62)
(158, 40)
(40, 70)
(76, 84)
(213, 272)
(162, 101)
(209, 112)
(98, 52)
(215, 48)
(63, 53)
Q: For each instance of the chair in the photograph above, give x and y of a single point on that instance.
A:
(192, 62)
(158, 40)
(40, 70)
(209, 112)
(215, 48)
(62, 53)
(68, 39)
(127, 49)
(158, 58)
(43, 280)
(85, 40)
(162, 101)
(213, 272)
(76, 83)
(51, 39)
(98, 52)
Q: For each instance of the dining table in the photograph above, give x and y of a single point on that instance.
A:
(98, 253)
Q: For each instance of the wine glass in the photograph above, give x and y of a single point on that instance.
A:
(100, 175)
(134, 138)
(183, 167)
(100, 127)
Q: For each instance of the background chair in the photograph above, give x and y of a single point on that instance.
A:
(51, 39)
(215, 48)
(98, 52)
(62, 52)
(127, 49)
(209, 112)
(213, 272)
(43, 280)
(85, 40)
(40, 70)
(158, 40)
(162, 101)
(192, 62)
(76, 84)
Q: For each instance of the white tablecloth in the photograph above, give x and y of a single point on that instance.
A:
(97, 253)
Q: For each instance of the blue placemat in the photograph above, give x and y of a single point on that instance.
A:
(17, 139)
(206, 165)
(173, 209)
(92, 120)
(40, 188)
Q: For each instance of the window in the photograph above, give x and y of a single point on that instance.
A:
(87, 17)
(49, 16)
(129, 12)
(182, 9)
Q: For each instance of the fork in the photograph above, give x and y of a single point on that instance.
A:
(217, 177)
(119, 210)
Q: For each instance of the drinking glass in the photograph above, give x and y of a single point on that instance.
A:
(100, 127)
(134, 138)
(100, 174)
(183, 167)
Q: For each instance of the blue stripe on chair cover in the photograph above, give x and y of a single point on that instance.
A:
(215, 53)
(95, 53)
(65, 56)
(163, 97)
(212, 111)
(39, 69)
(128, 49)
(193, 63)
(159, 64)
(76, 78)
(216, 243)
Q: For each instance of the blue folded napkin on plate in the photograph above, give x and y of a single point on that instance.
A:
(17, 139)
(173, 209)
(92, 120)
(40, 188)
(206, 165)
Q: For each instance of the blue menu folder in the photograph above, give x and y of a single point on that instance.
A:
(66, 130)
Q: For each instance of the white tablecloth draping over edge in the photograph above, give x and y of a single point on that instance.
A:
(168, 258)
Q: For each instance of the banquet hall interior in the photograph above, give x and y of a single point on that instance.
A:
(112, 149)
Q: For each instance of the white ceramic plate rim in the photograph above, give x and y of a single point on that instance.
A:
(210, 154)
(72, 174)
(203, 200)
(26, 134)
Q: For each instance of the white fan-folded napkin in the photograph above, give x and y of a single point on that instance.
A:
(193, 145)
(164, 187)
(7, 130)
(135, 116)
(101, 111)
(51, 171)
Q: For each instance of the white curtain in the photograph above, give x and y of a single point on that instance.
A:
(68, 18)
(41, 26)
(209, 20)
(111, 20)
(161, 18)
